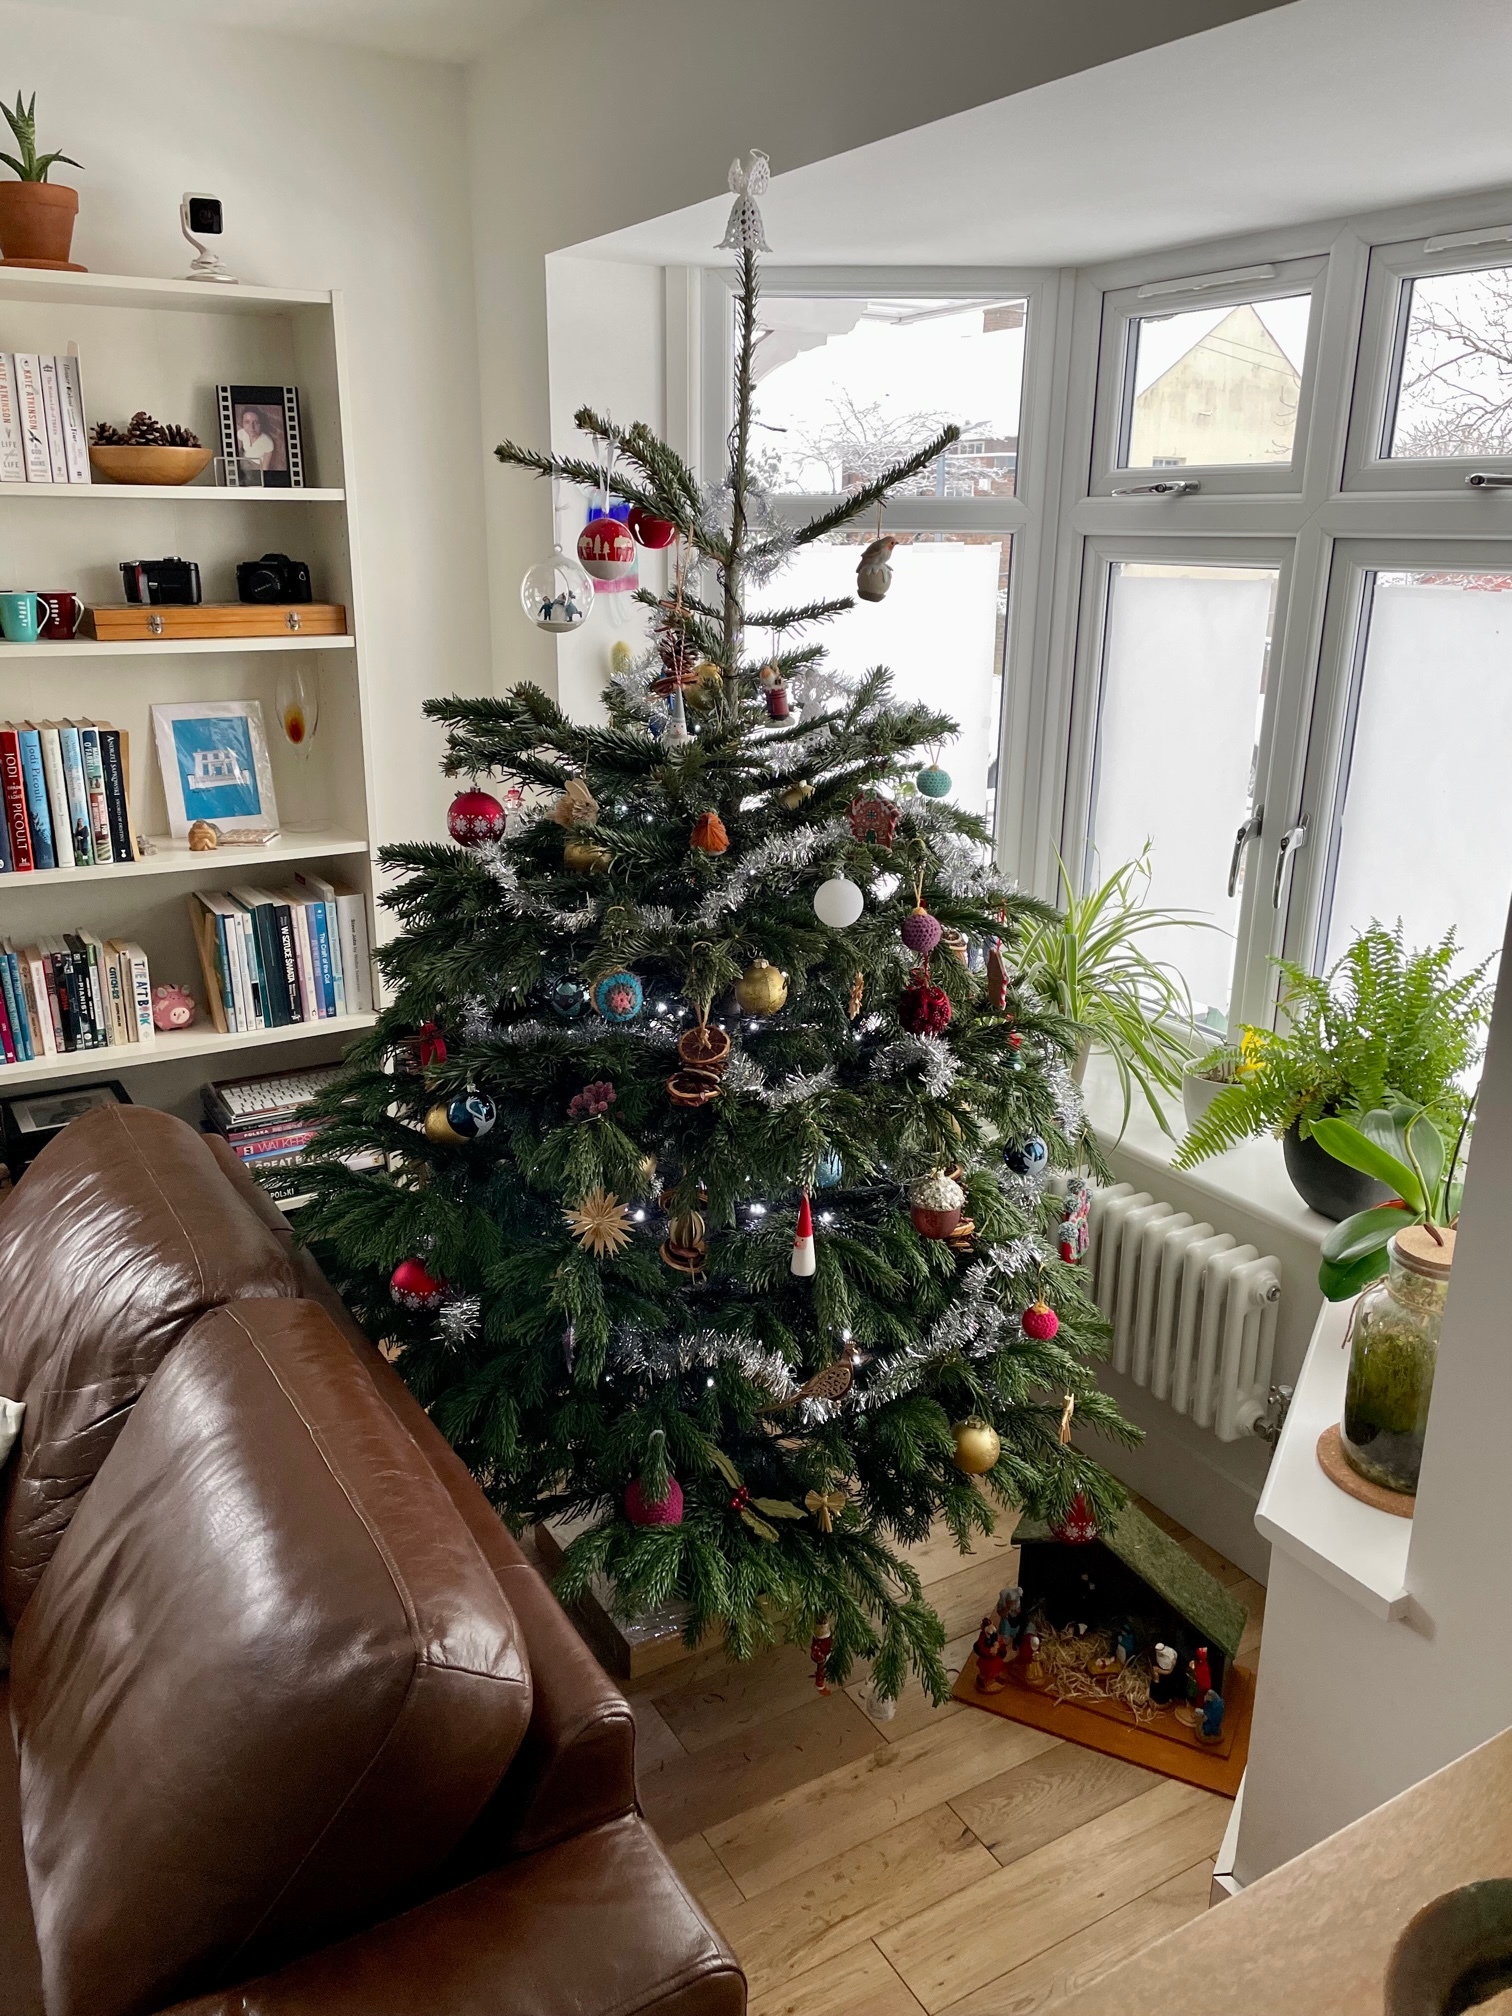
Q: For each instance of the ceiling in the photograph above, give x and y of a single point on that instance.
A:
(1313, 110)
(448, 31)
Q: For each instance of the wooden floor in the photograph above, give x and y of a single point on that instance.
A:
(945, 1861)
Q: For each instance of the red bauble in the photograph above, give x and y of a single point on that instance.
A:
(924, 1009)
(606, 549)
(1078, 1527)
(648, 530)
(1041, 1321)
(641, 1511)
(413, 1286)
(473, 817)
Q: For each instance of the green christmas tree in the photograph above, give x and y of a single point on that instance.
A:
(626, 1066)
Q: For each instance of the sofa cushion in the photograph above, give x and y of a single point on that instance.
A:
(120, 1236)
(266, 1684)
(20, 1969)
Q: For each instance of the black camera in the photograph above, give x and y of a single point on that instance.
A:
(274, 578)
(168, 581)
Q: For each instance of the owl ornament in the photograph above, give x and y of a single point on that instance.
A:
(744, 232)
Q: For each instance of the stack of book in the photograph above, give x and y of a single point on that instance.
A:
(64, 795)
(73, 992)
(271, 957)
(258, 1117)
(42, 434)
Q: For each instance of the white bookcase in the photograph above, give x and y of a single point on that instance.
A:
(165, 345)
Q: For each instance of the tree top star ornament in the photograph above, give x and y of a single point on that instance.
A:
(744, 232)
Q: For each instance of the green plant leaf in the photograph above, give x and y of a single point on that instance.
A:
(1345, 1143)
(1340, 1282)
(1366, 1232)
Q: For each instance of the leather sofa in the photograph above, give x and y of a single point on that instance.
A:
(291, 1723)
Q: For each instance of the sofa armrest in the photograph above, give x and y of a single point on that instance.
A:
(597, 1926)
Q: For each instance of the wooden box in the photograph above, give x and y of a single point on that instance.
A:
(130, 621)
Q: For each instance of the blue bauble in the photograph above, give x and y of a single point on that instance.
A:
(933, 781)
(618, 997)
(830, 1172)
(569, 999)
(1026, 1158)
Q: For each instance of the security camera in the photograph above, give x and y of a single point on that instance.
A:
(202, 215)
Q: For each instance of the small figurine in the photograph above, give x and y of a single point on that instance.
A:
(873, 575)
(1026, 1666)
(204, 837)
(172, 1008)
(1202, 1675)
(1210, 1728)
(1165, 1682)
(1010, 1614)
(1074, 1230)
(990, 1659)
(823, 1643)
(1124, 1644)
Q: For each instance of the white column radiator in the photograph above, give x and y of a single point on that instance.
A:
(1193, 1312)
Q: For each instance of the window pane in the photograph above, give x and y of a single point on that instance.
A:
(1426, 826)
(1216, 386)
(1455, 394)
(1183, 689)
(846, 387)
(940, 633)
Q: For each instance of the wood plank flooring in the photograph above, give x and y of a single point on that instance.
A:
(938, 1861)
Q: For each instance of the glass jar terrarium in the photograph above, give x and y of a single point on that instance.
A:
(1393, 1351)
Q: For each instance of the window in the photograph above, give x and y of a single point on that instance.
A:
(1454, 377)
(1216, 386)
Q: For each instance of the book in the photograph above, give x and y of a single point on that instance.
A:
(75, 428)
(52, 414)
(38, 814)
(205, 928)
(279, 1008)
(91, 991)
(297, 903)
(7, 1040)
(94, 790)
(34, 987)
(57, 793)
(114, 757)
(328, 935)
(13, 1012)
(78, 797)
(33, 418)
(356, 951)
(235, 927)
(45, 994)
(12, 452)
(136, 986)
(13, 794)
(115, 1003)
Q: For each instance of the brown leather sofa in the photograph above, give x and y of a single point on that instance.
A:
(297, 1728)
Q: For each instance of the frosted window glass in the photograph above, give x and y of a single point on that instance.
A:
(1182, 692)
(1216, 386)
(1426, 829)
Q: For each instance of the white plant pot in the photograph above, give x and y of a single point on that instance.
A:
(1197, 1094)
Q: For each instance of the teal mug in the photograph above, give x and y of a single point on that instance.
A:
(20, 616)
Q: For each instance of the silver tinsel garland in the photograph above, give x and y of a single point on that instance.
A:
(931, 1056)
(458, 1321)
(800, 1087)
(520, 902)
(784, 853)
(975, 1326)
(645, 1354)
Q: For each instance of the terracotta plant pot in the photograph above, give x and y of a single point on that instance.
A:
(36, 225)
(155, 465)
(933, 1224)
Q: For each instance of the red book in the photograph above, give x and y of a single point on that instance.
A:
(7, 1040)
(13, 800)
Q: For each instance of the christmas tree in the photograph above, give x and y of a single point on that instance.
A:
(714, 1123)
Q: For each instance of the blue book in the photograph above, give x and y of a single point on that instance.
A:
(38, 817)
(323, 948)
(78, 797)
(10, 986)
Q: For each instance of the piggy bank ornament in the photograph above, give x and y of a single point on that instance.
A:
(172, 1008)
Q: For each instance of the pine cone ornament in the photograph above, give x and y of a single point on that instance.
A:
(924, 1009)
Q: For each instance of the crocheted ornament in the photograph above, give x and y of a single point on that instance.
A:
(923, 1008)
(619, 997)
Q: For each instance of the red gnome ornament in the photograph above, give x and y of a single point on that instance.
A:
(924, 1009)
(803, 1262)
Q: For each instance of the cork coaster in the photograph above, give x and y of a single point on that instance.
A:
(1337, 1467)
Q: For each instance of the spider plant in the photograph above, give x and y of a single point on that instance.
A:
(1088, 963)
(30, 166)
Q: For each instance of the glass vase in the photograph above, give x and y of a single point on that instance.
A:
(1393, 1352)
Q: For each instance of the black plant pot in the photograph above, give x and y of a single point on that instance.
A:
(1330, 1188)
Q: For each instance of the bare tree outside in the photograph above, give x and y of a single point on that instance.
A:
(855, 442)
(1456, 388)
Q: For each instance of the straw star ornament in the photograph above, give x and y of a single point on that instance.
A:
(600, 1223)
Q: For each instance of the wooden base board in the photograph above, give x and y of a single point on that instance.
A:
(627, 1647)
(1338, 1469)
(1164, 1745)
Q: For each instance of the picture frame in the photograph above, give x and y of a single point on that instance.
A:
(213, 756)
(260, 423)
(27, 1124)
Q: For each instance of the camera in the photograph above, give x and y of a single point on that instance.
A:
(205, 215)
(166, 581)
(201, 217)
(274, 578)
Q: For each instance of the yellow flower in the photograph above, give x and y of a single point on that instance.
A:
(1251, 1051)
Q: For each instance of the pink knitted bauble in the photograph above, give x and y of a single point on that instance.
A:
(667, 1512)
(921, 932)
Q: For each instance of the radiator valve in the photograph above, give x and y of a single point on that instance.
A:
(1271, 1422)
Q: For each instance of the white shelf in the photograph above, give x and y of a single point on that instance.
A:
(1349, 1544)
(182, 1047)
(174, 858)
(169, 493)
(121, 290)
(170, 647)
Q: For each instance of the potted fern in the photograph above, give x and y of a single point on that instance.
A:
(36, 216)
(1383, 1027)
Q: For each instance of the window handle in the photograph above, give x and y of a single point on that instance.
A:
(1181, 486)
(1293, 840)
(1488, 479)
(1250, 830)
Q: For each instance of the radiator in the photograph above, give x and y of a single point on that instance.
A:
(1193, 1312)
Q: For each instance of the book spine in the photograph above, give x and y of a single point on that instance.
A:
(82, 992)
(54, 997)
(338, 964)
(33, 418)
(283, 924)
(234, 986)
(78, 798)
(34, 779)
(7, 866)
(13, 1010)
(236, 965)
(117, 810)
(323, 944)
(52, 414)
(7, 1039)
(115, 1001)
(75, 427)
(60, 979)
(31, 1036)
(276, 1004)
(356, 957)
(57, 797)
(257, 999)
(35, 982)
(13, 791)
(12, 451)
(309, 994)
(138, 980)
(94, 791)
(91, 996)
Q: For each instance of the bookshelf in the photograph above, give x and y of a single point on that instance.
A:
(165, 345)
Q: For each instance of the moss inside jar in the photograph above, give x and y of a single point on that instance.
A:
(1393, 1352)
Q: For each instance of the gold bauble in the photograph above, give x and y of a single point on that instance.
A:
(977, 1446)
(585, 857)
(439, 1129)
(796, 795)
(761, 989)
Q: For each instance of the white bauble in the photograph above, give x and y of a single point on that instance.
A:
(556, 594)
(838, 902)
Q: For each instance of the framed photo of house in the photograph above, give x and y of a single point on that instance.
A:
(214, 758)
(260, 424)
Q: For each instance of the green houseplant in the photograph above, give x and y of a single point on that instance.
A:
(1089, 965)
(36, 216)
(1384, 1027)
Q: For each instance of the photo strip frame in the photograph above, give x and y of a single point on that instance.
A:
(260, 424)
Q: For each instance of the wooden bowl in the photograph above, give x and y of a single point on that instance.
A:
(150, 465)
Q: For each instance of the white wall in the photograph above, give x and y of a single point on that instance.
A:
(337, 169)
